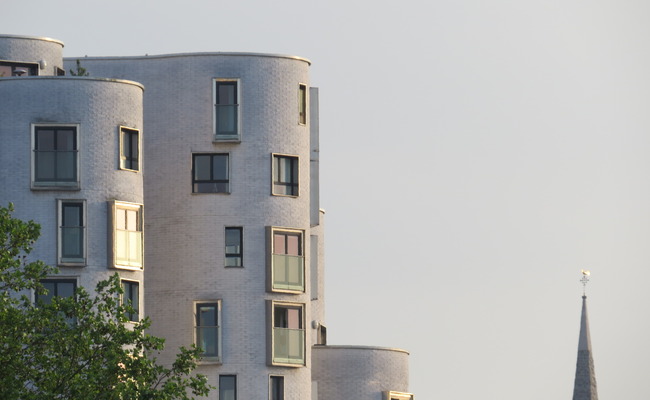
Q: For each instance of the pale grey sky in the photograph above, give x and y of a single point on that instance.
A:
(475, 156)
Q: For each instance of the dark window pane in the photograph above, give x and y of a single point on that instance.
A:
(227, 387)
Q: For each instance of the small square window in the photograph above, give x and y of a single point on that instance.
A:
(276, 387)
(227, 387)
(126, 229)
(55, 157)
(210, 173)
(287, 334)
(72, 232)
(131, 297)
(234, 247)
(285, 175)
(129, 149)
(208, 329)
(226, 109)
(302, 104)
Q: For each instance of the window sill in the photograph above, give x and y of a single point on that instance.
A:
(285, 195)
(281, 364)
(210, 361)
(199, 193)
(127, 267)
(72, 263)
(129, 170)
(54, 186)
(228, 139)
(288, 291)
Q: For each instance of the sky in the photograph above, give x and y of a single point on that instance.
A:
(475, 156)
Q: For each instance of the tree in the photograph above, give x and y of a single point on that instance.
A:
(81, 71)
(79, 347)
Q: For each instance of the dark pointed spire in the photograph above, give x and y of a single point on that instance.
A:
(584, 387)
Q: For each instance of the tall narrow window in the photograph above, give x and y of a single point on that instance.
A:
(276, 387)
(55, 156)
(56, 288)
(210, 173)
(226, 106)
(129, 149)
(127, 235)
(234, 248)
(302, 104)
(72, 244)
(285, 175)
(287, 261)
(288, 334)
(131, 297)
(208, 330)
(227, 387)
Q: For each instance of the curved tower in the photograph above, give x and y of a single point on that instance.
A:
(233, 225)
(65, 166)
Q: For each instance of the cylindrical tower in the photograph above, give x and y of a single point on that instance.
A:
(230, 212)
(28, 56)
(63, 166)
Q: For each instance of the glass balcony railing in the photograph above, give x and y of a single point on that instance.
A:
(288, 346)
(208, 338)
(288, 272)
(72, 243)
(128, 248)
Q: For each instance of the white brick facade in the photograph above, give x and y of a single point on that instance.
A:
(185, 231)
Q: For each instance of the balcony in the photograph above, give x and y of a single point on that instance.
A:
(289, 346)
(288, 273)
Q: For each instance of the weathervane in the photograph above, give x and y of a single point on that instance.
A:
(585, 280)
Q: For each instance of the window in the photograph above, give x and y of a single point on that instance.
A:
(234, 248)
(127, 235)
(10, 68)
(276, 387)
(288, 334)
(72, 243)
(285, 175)
(287, 269)
(302, 104)
(131, 297)
(208, 330)
(129, 149)
(227, 387)
(210, 173)
(55, 156)
(56, 288)
(226, 109)
(391, 395)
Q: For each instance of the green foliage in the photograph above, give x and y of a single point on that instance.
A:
(80, 347)
(80, 71)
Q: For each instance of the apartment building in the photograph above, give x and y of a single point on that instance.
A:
(195, 177)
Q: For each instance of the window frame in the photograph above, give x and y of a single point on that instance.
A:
(275, 173)
(240, 254)
(272, 305)
(55, 183)
(234, 377)
(71, 261)
(299, 285)
(302, 104)
(272, 379)
(212, 180)
(33, 68)
(128, 159)
(114, 206)
(212, 359)
(233, 137)
(135, 305)
(72, 280)
(393, 395)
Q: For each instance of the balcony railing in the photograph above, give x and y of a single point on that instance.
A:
(55, 166)
(208, 338)
(288, 272)
(288, 346)
(72, 243)
(128, 248)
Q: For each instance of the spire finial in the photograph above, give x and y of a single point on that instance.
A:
(585, 280)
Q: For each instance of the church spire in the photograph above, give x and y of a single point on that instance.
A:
(585, 382)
